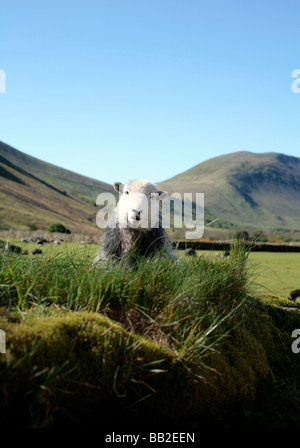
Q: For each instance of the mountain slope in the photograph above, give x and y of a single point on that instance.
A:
(242, 189)
(26, 200)
(75, 184)
(246, 189)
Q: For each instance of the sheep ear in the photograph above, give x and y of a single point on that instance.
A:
(163, 194)
(118, 186)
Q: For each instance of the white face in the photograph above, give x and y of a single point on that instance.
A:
(138, 206)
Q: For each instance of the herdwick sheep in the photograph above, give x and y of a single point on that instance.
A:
(294, 294)
(132, 232)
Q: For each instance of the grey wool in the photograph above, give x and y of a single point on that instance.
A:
(129, 244)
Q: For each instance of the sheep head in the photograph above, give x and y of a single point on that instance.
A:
(138, 205)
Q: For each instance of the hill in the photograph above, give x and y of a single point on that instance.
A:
(246, 189)
(241, 189)
(34, 194)
(75, 184)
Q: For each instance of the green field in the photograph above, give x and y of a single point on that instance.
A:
(276, 273)
(270, 272)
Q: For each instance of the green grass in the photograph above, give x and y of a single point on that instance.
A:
(188, 340)
(172, 298)
(276, 273)
(272, 273)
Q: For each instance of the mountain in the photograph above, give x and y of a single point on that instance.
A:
(245, 189)
(242, 189)
(34, 193)
(77, 185)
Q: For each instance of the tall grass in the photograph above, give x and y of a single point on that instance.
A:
(186, 306)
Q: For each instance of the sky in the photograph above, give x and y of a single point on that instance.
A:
(127, 89)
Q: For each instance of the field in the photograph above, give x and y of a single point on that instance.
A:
(189, 343)
(272, 273)
(276, 273)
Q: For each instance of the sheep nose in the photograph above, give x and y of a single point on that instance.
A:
(137, 214)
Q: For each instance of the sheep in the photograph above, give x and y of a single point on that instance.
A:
(36, 251)
(190, 252)
(134, 230)
(294, 294)
(226, 253)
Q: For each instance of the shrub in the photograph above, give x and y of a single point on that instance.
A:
(242, 235)
(58, 227)
(260, 236)
(32, 226)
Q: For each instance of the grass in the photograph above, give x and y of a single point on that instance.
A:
(170, 299)
(186, 340)
(273, 273)
(277, 273)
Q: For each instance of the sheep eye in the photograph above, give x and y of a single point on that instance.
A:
(127, 192)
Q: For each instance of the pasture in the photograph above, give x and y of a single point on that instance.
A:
(190, 342)
(271, 273)
(274, 273)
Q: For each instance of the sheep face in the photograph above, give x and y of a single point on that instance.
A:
(138, 206)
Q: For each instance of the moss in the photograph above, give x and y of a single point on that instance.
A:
(254, 365)
(81, 359)
(226, 354)
(279, 301)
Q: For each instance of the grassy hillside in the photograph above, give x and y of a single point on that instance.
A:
(246, 189)
(159, 347)
(26, 201)
(34, 194)
(75, 184)
(241, 190)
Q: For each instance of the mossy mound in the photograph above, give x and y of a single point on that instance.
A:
(83, 364)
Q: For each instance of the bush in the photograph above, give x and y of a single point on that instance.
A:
(32, 226)
(58, 227)
(242, 235)
(260, 237)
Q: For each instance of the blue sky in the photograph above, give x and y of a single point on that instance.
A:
(124, 89)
